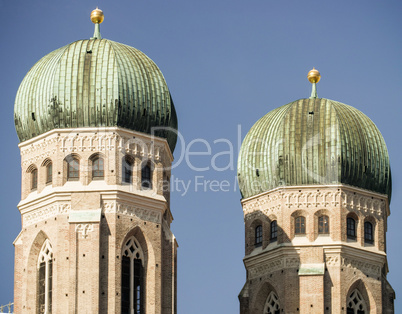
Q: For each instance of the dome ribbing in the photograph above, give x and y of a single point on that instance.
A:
(313, 141)
(95, 83)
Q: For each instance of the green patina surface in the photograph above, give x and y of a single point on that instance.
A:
(95, 83)
(77, 216)
(313, 141)
(311, 269)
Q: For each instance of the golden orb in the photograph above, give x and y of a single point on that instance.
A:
(97, 16)
(314, 76)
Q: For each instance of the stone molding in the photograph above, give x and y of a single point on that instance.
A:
(364, 266)
(353, 201)
(131, 210)
(84, 229)
(44, 213)
(270, 266)
(91, 142)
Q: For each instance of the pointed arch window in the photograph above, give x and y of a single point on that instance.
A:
(368, 232)
(258, 236)
(49, 173)
(300, 225)
(73, 169)
(146, 176)
(323, 224)
(132, 278)
(45, 275)
(34, 179)
(98, 168)
(356, 304)
(274, 231)
(351, 228)
(272, 305)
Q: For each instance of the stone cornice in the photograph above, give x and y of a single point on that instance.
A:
(45, 212)
(157, 202)
(117, 207)
(318, 197)
(323, 187)
(370, 263)
(93, 139)
(64, 193)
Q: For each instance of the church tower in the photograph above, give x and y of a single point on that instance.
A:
(316, 185)
(97, 129)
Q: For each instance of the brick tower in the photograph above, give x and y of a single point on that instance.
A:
(97, 128)
(316, 185)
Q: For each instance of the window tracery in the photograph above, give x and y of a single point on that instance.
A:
(45, 282)
(272, 305)
(356, 304)
(132, 294)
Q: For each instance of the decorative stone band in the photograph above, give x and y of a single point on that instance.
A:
(130, 210)
(366, 267)
(84, 229)
(96, 141)
(270, 266)
(271, 202)
(44, 213)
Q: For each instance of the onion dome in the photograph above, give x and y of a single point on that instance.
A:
(313, 141)
(95, 83)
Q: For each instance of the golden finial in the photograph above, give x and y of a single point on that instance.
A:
(314, 76)
(97, 16)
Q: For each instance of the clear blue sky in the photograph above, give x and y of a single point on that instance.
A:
(227, 63)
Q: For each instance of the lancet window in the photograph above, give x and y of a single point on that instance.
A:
(45, 282)
(132, 278)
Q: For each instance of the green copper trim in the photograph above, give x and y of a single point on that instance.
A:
(316, 269)
(313, 91)
(95, 83)
(313, 141)
(97, 34)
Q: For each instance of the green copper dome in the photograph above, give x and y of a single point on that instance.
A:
(95, 83)
(313, 141)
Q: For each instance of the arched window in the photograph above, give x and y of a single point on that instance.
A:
(368, 232)
(323, 224)
(49, 173)
(34, 179)
(146, 177)
(258, 236)
(274, 231)
(97, 168)
(356, 304)
(127, 169)
(351, 228)
(272, 304)
(45, 270)
(300, 225)
(132, 278)
(73, 169)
